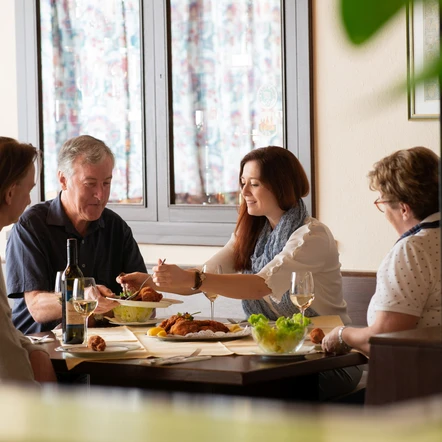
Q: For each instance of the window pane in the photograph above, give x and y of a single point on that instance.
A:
(91, 84)
(227, 93)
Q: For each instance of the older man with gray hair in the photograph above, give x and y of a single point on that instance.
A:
(36, 248)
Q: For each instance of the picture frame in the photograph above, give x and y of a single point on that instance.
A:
(422, 46)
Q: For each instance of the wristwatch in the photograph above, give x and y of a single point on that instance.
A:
(199, 278)
(344, 346)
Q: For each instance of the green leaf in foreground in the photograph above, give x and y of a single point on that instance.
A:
(364, 18)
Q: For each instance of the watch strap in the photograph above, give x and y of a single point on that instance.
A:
(199, 278)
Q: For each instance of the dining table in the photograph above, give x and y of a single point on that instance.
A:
(233, 367)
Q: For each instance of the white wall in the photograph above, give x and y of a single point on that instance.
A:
(356, 123)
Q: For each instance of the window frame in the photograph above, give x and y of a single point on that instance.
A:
(156, 221)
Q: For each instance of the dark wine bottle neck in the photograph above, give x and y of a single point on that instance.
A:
(72, 253)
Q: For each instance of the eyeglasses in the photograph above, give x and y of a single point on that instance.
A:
(378, 203)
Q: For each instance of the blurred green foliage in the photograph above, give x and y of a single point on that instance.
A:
(362, 19)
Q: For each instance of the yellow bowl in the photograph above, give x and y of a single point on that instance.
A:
(124, 313)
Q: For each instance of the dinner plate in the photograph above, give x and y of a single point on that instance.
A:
(287, 356)
(207, 335)
(161, 304)
(112, 350)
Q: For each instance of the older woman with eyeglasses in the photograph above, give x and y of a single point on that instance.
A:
(408, 285)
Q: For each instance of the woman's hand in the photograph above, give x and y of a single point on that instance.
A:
(172, 276)
(330, 343)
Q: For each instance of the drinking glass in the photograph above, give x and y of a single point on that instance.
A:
(210, 295)
(302, 291)
(57, 286)
(85, 299)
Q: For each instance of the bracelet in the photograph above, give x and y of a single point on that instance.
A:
(199, 278)
(342, 343)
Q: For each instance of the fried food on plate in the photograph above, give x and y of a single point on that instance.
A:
(168, 323)
(317, 335)
(183, 324)
(184, 327)
(148, 294)
(96, 343)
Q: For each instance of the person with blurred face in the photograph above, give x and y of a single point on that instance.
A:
(36, 249)
(20, 361)
(408, 281)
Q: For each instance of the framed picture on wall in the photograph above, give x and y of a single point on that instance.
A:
(423, 47)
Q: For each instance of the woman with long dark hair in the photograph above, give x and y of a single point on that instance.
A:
(274, 236)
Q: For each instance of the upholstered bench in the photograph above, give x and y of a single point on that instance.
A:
(358, 289)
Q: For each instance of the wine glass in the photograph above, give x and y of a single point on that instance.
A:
(302, 291)
(210, 295)
(57, 286)
(85, 299)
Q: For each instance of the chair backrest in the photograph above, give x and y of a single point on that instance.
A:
(358, 289)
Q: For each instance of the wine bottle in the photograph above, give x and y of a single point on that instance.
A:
(72, 322)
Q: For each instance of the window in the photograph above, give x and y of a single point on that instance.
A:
(179, 89)
(90, 76)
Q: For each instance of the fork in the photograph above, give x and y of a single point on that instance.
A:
(160, 361)
(235, 321)
(142, 285)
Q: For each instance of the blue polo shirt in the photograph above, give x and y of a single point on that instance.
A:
(36, 250)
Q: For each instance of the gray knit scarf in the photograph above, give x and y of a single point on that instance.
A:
(269, 244)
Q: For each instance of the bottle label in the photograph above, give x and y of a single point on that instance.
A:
(72, 316)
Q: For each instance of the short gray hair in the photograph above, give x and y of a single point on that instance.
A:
(91, 149)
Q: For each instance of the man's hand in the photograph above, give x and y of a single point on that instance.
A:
(104, 304)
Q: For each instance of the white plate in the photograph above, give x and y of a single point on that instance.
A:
(207, 335)
(161, 304)
(148, 322)
(273, 356)
(110, 351)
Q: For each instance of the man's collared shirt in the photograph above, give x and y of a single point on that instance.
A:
(36, 250)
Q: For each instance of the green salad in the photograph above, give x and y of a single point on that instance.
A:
(284, 337)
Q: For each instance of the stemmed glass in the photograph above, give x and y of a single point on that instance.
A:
(210, 295)
(302, 291)
(57, 286)
(85, 299)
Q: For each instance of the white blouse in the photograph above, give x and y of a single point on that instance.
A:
(312, 247)
(409, 280)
